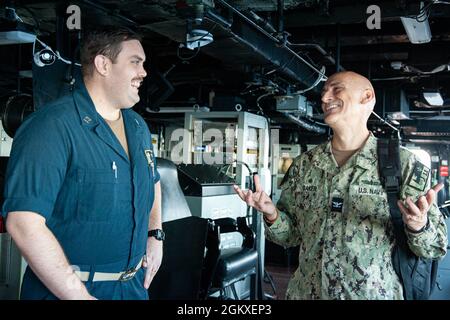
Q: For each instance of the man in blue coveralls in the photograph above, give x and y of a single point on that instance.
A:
(82, 194)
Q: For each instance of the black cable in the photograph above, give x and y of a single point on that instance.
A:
(251, 187)
(72, 68)
(261, 111)
(270, 281)
(424, 13)
(188, 58)
(251, 174)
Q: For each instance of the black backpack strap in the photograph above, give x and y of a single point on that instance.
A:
(389, 167)
(418, 275)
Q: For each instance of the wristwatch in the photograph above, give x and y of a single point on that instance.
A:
(158, 234)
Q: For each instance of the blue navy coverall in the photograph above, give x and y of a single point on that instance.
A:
(67, 165)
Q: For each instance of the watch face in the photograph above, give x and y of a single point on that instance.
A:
(158, 234)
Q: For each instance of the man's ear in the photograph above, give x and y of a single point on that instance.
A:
(367, 97)
(102, 65)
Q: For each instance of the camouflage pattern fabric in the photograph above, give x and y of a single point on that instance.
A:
(340, 219)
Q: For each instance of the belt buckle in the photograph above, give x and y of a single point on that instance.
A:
(128, 275)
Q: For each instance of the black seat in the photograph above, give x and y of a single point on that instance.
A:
(193, 264)
(180, 274)
(234, 264)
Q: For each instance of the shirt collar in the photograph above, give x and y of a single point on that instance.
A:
(364, 158)
(90, 117)
(323, 158)
(85, 106)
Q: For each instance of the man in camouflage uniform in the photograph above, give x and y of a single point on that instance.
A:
(334, 207)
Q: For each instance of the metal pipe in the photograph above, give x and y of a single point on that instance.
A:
(195, 108)
(224, 3)
(243, 16)
(109, 11)
(263, 23)
(420, 104)
(338, 47)
(280, 6)
(424, 141)
(318, 48)
(401, 78)
(306, 62)
(432, 111)
(269, 56)
(305, 124)
(218, 19)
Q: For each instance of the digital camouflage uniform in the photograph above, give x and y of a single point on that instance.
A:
(340, 219)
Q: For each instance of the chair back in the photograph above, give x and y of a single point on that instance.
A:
(173, 203)
(180, 274)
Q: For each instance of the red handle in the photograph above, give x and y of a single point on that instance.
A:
(2, 225)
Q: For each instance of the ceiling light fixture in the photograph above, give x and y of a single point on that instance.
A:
(13, 30)
(417, 28)
(198, 38)
(433, 98)
(16, 37)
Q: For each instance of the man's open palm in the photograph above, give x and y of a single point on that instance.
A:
(258, 199)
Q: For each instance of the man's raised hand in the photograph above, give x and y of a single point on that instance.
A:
(258, 199)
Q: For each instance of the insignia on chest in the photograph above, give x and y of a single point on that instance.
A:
(419, 176)
(149, 156)
(369, 190)
(309, 188)
(337, 204)
(371, 183)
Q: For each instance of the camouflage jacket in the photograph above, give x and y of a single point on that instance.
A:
(341, 220)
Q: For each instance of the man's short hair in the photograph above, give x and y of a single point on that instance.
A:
(105, 40)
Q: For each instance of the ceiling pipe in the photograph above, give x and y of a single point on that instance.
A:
(240, 14)
(224, 3)
(321, 50)
(305, 124)
(285, 43)
(280, 7)
(109, 12)
(275, 50)
(420, 104)
(218, 19)
(410, 78)
(263, 23)
(338, 47)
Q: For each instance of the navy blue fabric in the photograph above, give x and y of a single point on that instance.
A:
(62, 167)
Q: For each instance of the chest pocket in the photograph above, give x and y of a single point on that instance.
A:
(97, 194)
(368, 215)
(311, 201)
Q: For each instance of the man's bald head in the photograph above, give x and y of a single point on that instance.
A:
(348, 99)
(356, 78)
(357, 82)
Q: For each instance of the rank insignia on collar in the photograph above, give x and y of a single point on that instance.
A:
(419, 176)
(87, 119)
